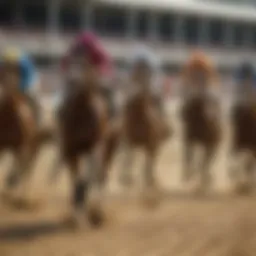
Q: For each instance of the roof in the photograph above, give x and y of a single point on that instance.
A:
(202, 8)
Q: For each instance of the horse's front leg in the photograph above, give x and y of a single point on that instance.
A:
(56, 168)
(97, 171)
(126, 178)
(19, 175)
(79, 186)
(208, 156)
(187, 161)
(150, 165)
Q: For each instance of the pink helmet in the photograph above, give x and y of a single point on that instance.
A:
(88, 44)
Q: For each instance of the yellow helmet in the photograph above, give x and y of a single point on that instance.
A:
(11, 55)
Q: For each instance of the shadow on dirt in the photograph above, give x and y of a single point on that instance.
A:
(30, 231)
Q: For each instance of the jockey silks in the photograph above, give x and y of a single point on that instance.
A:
(88, 45)
(28, 75)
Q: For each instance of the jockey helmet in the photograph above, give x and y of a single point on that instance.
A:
(11, 56)
(200, 60)
(88, 45)
(144, 56)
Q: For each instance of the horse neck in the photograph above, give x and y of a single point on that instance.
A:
(80, 99)
(139, 103)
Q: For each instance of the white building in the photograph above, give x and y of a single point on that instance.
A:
(172, 27)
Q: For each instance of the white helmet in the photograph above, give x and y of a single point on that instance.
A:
(146, 56)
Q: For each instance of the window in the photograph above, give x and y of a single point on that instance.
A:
(110, 21)
(191, 30)
(166, 27)
(70, 17)
(142, 24)
(254, 37)
(35, 14)
(239, 34)
(216, 32)
(6, 12)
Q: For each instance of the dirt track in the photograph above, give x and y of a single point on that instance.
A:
(181, 225)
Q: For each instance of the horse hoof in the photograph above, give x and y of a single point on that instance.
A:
(95, 216)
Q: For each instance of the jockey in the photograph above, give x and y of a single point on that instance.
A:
(145, 73)
(199, 74)
(144, 67)
(18, 71)
(87, 61)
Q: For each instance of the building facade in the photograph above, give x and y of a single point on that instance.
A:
(173, 28)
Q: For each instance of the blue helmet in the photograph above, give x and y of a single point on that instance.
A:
(13, 56)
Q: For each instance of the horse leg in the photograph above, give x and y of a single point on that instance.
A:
(96, 175)
(234, 169)
(56, 168)
(125, 177)
(79, 190)
(250, 171)
(206, 164)
(13, 177)
(187, 161)
(149, 168)
(19, 175)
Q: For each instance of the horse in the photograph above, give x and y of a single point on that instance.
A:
(143, 126)
(243, 125)
(21, 136)
(84, 131)
(200, 116)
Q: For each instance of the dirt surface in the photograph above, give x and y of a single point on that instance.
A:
(181, 224)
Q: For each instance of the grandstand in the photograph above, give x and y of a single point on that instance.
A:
(173, 28)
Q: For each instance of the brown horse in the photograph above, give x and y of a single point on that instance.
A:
(200, 114)
(143, 126)
(84, 129)
(243, 123)
(20, 135)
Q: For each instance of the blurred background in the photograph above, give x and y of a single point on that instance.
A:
(224, 28)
